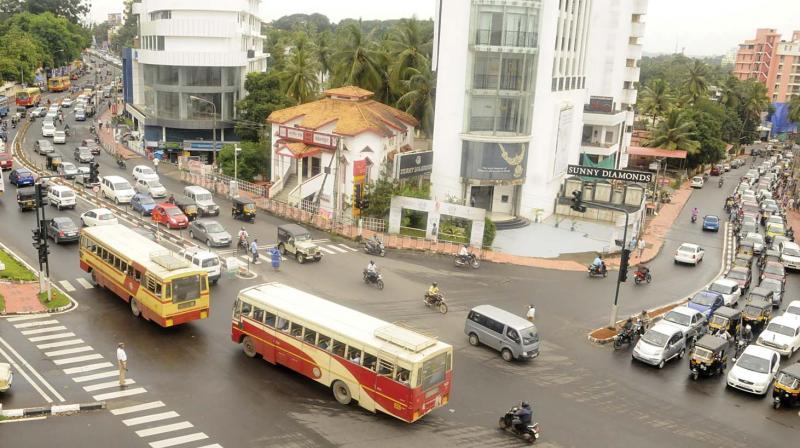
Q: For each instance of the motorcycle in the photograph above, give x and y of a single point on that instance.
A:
(436, 302)
(91, 129)
(67, 132)
(467, 260)
(595, 271)
(721, 182)
(642, 275)
(628, 336)
(529, 435)
(243, 245)
(694, 219)
(374, 247)
(374, 279)
(121, 163)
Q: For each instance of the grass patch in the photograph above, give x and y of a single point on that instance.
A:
(59, 299)
(14, 269)
(2, 304)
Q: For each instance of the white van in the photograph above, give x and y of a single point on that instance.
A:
(117, 188)
(203, 199)
(61, 197)
(206, 260)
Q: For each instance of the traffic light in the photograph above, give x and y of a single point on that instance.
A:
(40, 201)
(94, 173)
(37, 238)
(623, 264)
(44, 251)
(577, 201)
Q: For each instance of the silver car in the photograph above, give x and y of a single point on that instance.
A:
(211, 232)
(660, 344)
(691, 322)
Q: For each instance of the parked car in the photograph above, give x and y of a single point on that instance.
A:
(82, 154)
(697, 182)
(43, 147)
(21, 177)
(151, 187)
(98, 217)
(754, 370)
(711, 222)
(67, 169)
(144, 172)
(692, 322)
(660, 344)
(169, 215)
(729, 289)
(689, 253)
(294, 239)
(59, 137)
(211, 232)
(782, 335)
(143, 204)
(61, 229)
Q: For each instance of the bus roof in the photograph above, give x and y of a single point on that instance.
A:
(371, 331)
(155, 258)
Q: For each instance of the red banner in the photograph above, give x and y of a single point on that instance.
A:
(359, 168)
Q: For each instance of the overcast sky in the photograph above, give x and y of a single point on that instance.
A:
(701, 27)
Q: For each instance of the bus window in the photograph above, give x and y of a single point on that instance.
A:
(370, 361)
(258, 314)
(324, 342)
(137, 275)
(403, 375)
(310, 337)
(354, 355)
(237, 309)
(338, 348)
(246, 309)
(283, 325)
(269, 320)
(296, 331)
(385, 368)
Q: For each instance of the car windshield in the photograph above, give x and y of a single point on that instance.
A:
(210, 262)
(64, 223)
(719, 321)
(780, 329)
(203, 197)
(529, 335)
(655, 338)
(753, 363)
(751, 310)
(775, 269)
(68, 166)
(771, 283)
(174, 211)
(678, 318)
(703, 299)
(214, 228)
(67, 194)
(186, 288)
(791, 251)
(793, 310)
(686, 248)
(146, 200)
(302, 237)
(697, 179)
(146, 170)
(712, 219)
(722, 288)
(122, 186)
(154, 184)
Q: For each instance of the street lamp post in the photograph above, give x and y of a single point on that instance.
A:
(214, 111)
(236, 150)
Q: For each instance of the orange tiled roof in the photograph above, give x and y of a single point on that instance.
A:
(298, 149)
(352, 116)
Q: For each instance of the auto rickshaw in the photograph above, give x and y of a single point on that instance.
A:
(757, 313)
(769, 255)
(26, 198)
(726, 319)
(743, 260)
(53, 161)
(786, 389)
(244, 209)
(746, 248)
(187, 206)
(709, 356)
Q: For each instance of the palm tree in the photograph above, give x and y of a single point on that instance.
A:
(299, 76)
(324, 54)
(794, 109)
(656, 99)
(358, 61)
(420, 87)
(754, 102)
(730, 93)
(676, 131)
(409, 46)
(696, 82)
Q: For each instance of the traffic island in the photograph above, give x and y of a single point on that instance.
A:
(605, 335)
(20, 290)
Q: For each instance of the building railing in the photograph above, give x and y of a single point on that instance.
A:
(507, 38)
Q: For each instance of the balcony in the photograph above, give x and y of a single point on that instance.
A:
(597, 118)
(632, 74)
(634, 51)
(522, 39)
(599, 149)
(637, 29)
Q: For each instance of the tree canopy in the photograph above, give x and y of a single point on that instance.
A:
(72, 10)
(264, 95)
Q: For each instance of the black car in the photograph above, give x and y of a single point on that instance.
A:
(83, 155)
(61, 230)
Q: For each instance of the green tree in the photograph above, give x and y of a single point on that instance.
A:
(410, 47)
(19, 53)
(696, 81)
(754, 102)
(676, 131)
(61, 40)
(419, 97)
(794, 109)
(253, 160)
(325, 54)
(100, 32)
(299, 76)
(72, 10)
(128, 31)
(358, 61)
(656, 99)
(264, 95)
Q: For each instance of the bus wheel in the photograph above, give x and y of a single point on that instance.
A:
(135, 308)
(341, 392)
(249, 347)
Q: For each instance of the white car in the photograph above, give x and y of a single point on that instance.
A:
(754, 370)
(48, 129)
(151, 187)
(697, 182)
(790, 255)
(98, 217)
(39, 112)
(144, 172)
(758, 241)
(6, 376)
(689, 253)
(793, 309)
(60, 137)
(782, 335)
(729, 290)
(66, 102)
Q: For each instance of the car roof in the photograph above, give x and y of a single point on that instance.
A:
(167, 205)
(115, 178)
(688, 245)
(196, 189)
(711, 216)
(293, 228)
(789, 321)
(759, 351)
(665, 328)
(100, 210)
(726, 281)
(726, 311)
(510, 319)
(685, 310)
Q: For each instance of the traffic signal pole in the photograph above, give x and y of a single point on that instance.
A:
(40, 242)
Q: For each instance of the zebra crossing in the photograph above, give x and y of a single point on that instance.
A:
(67, 286)
(325, 246)
(162, 428)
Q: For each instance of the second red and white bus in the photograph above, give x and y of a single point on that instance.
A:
(382, 366)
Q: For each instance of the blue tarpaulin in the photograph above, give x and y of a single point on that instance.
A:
(780, 119)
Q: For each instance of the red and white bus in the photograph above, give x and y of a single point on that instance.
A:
(384, 367)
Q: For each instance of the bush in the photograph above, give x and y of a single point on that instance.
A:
(489, 232)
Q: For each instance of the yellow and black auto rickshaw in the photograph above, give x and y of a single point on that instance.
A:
(53, 161)
(187, 206)
(786, 390)
(709, 356)
(244, 209)
(745, 248)
(725, 320)
(757, 313)
(26, 198)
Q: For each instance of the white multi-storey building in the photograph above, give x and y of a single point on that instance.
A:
(188, 67)
(612, 78)
(509, 102)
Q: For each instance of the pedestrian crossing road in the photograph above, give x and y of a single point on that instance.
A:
(325, 246)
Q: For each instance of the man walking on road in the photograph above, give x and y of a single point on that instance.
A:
(122, 363)
(254, 250)
(641, 246)
(155, 163)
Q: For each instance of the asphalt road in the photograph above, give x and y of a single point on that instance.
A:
(583, 395)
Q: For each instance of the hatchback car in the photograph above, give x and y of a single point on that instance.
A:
(59, 137)
(211, 232)
(691, 322)
(83, 155)
(143, 204)
(98, 217)
(151, 187)
(144, 172)
(39, 112)
(62, 230)
(697, 182)
(729, 289)
(706, 302)
(67, 169)
(711, 222)
(169, 215)
(660, 344)
(754, 370)
(782, 334)
(43, 147)
(689, 253)
(777, 289)
(716, 170)
(758, 241)
(48, 129)
(21, 177)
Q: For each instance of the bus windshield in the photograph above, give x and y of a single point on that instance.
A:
(186, 288)
(433, 371)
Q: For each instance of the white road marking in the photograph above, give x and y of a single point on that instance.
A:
(215, 445)
(75, 359)
(338, 249)
(348, 248)
(321, 240)
(66, 285)
(85, 283)
(326, 250)
(107, 385)
(179, 440)
(43, 330)
(88, 368)
(17, 368)
(60, 344)
(96, 376)
(33, 372)
(69, 351)
(137, 408)
(27, 317)
(50, 337)
(150, 418)
(40, 323)
(163, 429)
(119, 394)
(27, 419)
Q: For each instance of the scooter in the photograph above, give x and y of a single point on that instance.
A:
(374, 247)
(594, 271)
(721, 182)
(243, 245)
(374, 279)
(467, 260)
(529, 435)
(436, 302)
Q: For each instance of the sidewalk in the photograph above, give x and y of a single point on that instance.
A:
(107, 137)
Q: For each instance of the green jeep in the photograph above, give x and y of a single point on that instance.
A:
(296, 240)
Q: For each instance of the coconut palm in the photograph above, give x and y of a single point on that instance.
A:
(754, 102)
(794, 109)
(730, 93)
(324, 54)
(420, 87)
(299, 76)
(676, 131)
(409, 46)
(656, 99)
(358, 61)
(696, 82)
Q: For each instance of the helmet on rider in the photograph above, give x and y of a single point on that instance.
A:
(526, 405)
(434, 284)
(747, 327)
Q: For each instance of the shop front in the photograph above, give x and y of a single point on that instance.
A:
(493, 174)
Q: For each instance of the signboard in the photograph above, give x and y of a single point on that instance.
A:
(309, 137)
(494, 161)
(642, 177)
(413, 164)
(600, 104)
(359, 180)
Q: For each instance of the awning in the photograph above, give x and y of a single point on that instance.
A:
(296, 150)
(657, 152)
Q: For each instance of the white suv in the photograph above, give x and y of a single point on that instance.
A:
(61, 197)
(206, 260)
(117, 188)
(203, 199)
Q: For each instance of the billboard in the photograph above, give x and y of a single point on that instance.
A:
(413, 164)
(494, 161)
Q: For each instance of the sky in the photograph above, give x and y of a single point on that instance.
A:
(697, 27)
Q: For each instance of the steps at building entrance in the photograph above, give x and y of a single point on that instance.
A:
(516, 222)
(288, 185)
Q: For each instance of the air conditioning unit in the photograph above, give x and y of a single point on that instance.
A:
(251, 54)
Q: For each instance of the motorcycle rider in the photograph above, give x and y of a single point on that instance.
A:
(721, 181)
(433, 292)
(372, 270)
(374, 244)
(243, 237)
(695, 212)
(463, 253)
(598, 265)
(747, 334)
(523, 417)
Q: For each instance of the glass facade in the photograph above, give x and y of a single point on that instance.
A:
(167, 91)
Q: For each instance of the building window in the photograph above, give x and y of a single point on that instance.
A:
(200, 110)
(160, 15)
(168, 104)
(203, 76)
(167, 75)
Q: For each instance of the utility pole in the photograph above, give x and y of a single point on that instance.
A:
(40, 243)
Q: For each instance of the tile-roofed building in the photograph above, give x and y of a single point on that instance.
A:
(305, 138)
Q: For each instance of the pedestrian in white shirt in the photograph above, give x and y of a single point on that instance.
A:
(155, 163)
(122, 363)
(531, 313)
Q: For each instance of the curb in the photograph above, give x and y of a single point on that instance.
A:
(53, 410)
